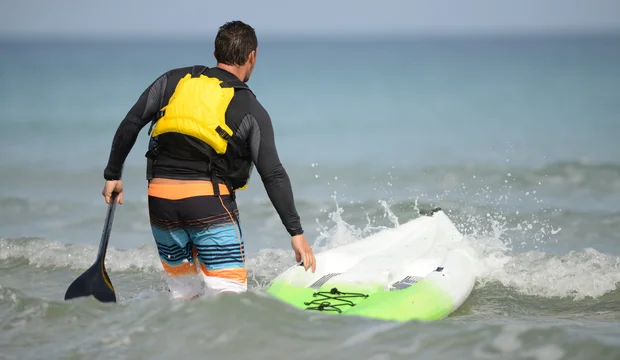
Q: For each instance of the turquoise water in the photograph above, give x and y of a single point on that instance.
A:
(517, 137)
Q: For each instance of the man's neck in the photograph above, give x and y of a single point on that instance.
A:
(235, 70)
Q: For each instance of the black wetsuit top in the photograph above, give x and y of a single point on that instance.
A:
(183, 157)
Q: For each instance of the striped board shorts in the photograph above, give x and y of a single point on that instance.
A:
(198, 238)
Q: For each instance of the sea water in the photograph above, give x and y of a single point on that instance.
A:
(515, 138)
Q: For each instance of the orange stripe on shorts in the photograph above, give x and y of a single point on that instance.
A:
(180, 270)
(239, 275)
(183, 191)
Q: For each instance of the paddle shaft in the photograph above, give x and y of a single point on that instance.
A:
(107, 228)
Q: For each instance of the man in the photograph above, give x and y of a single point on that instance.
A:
(208, 132)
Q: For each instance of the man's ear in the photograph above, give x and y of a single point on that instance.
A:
(252, 56)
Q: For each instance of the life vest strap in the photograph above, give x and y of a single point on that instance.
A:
(195, 70)
(222, 133)
(152, 157)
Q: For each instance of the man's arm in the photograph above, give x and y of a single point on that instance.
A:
(142, 112)
(274, 176)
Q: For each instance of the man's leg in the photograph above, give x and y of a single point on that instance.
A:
(177, 257)
(176, 251)
(220, 248)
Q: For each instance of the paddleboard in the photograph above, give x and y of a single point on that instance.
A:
(420, 270)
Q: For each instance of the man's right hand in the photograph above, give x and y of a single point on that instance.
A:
(112, 186)
(303, 252)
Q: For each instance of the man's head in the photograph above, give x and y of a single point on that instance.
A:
(235, 47)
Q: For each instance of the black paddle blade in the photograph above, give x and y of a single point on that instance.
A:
(96, 282)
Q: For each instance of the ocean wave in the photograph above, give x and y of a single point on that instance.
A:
(578, 274)
(43, 253)
(505, 269)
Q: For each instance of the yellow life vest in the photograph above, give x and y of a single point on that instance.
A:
(197, 108)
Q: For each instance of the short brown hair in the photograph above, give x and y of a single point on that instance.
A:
(235, 40)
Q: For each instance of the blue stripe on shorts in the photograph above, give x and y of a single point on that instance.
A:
(218, 246)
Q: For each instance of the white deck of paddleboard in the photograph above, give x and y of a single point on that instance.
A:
(409, 252)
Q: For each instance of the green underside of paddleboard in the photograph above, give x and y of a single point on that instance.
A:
(422, 301)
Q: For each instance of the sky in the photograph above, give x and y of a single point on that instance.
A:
(189, 18)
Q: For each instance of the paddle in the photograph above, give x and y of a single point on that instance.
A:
(95, 281)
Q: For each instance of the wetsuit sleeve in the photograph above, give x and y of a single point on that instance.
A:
(142, 112)
(272, 173)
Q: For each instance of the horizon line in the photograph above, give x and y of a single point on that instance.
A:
(339, 36)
